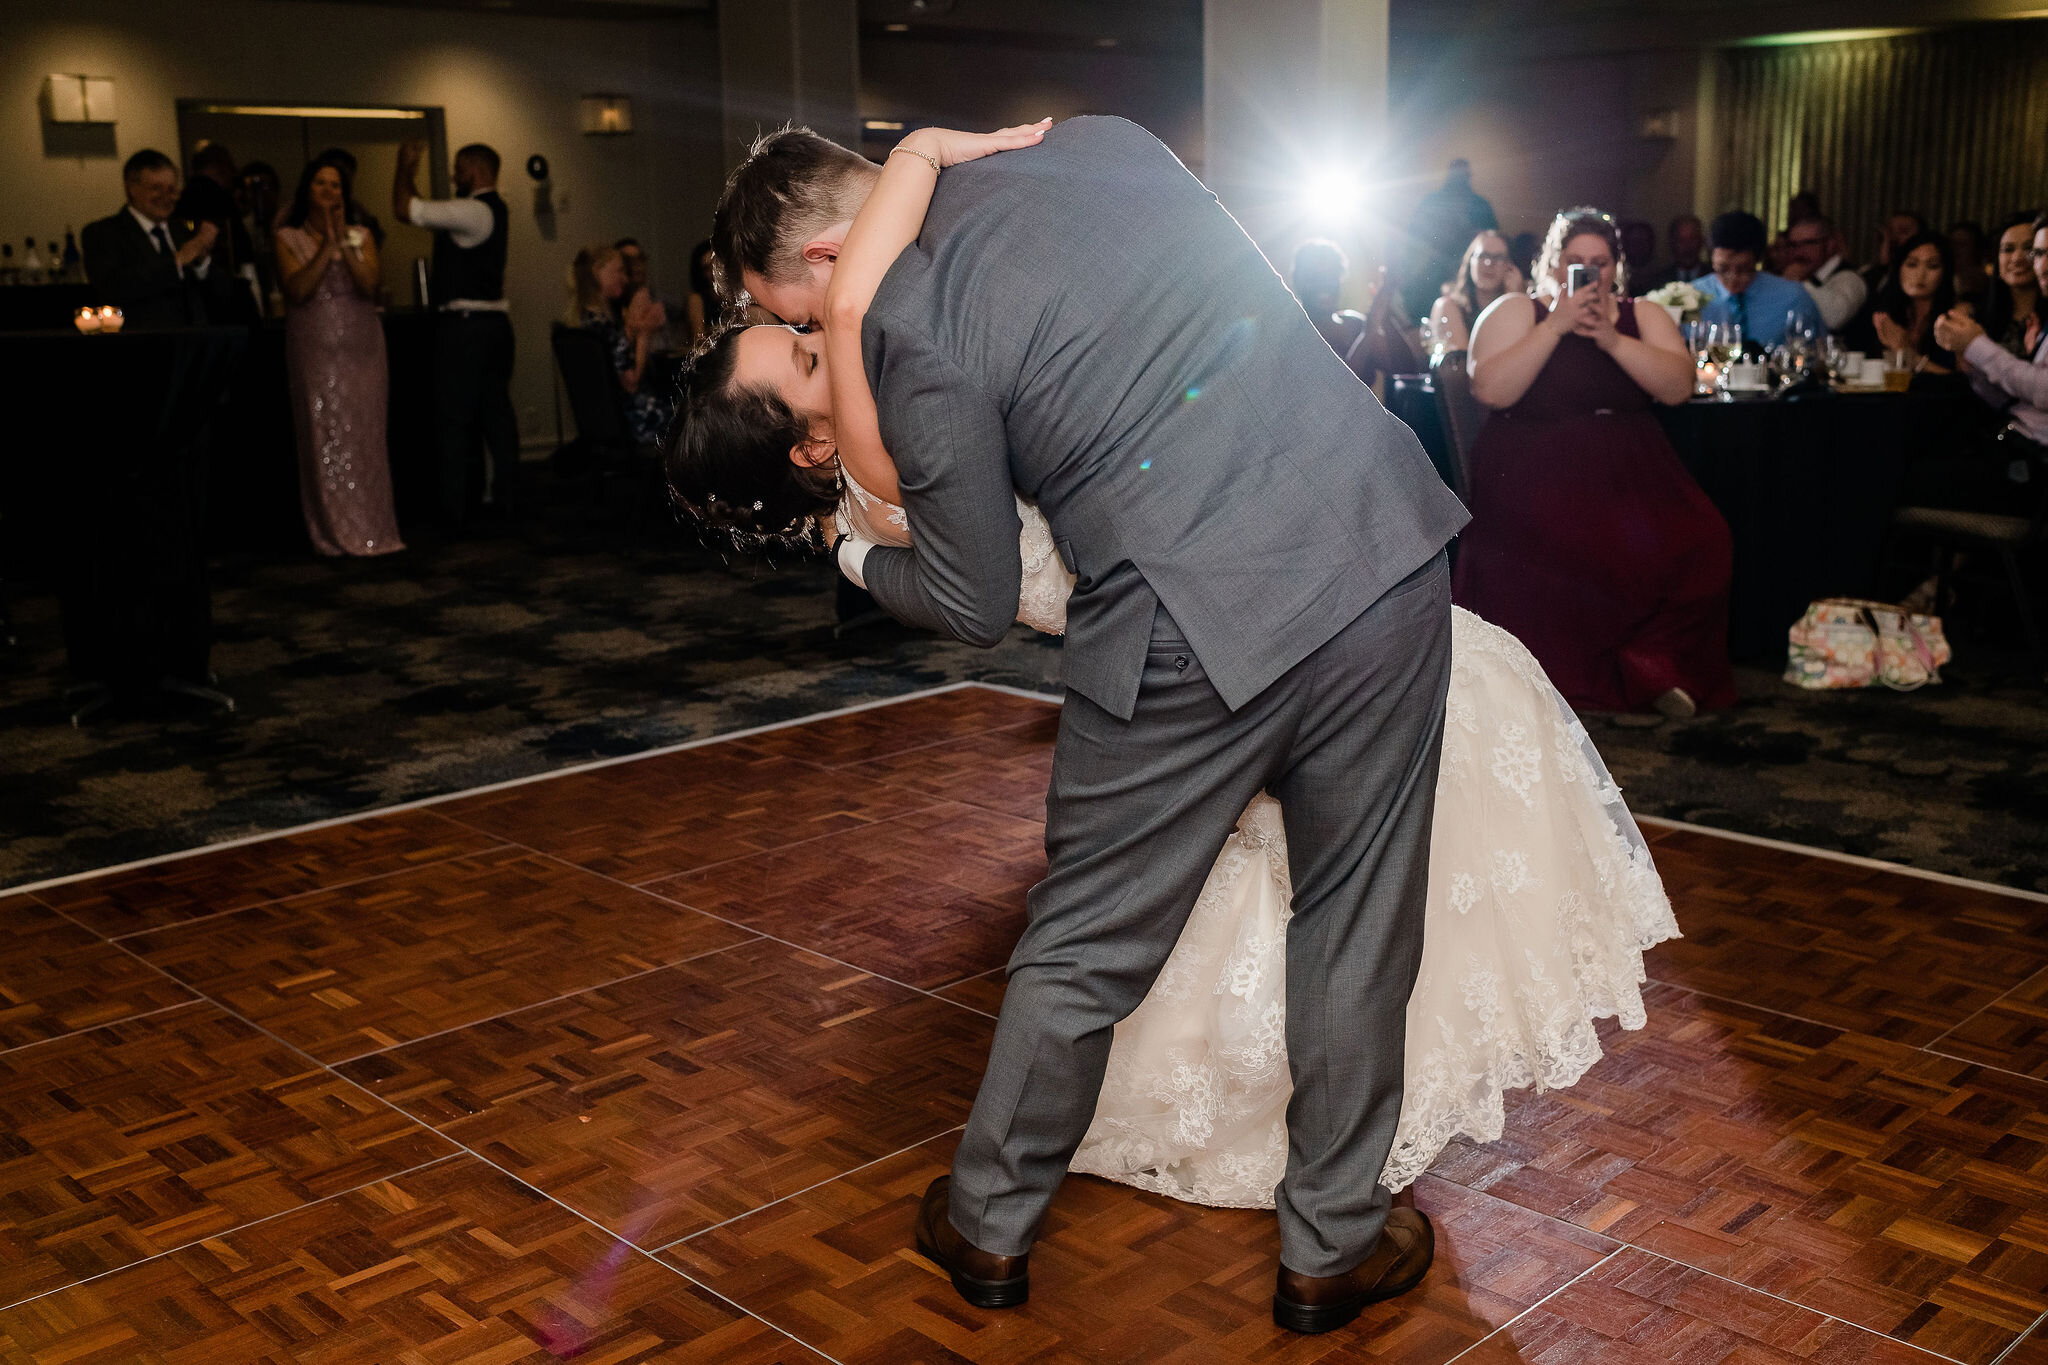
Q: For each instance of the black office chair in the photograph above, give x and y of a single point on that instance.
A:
(1462, 414)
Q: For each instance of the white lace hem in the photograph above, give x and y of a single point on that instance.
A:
(1543, 897)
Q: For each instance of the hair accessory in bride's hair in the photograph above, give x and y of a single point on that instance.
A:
(740, 438)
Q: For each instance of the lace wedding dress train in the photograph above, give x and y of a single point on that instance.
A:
(1542, 900)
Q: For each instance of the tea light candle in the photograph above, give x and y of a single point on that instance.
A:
(88, 320)
(111, 319)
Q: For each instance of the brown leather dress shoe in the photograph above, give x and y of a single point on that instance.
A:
(1397, 1263)
(983, 1278)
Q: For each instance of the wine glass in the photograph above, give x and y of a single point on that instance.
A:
(1706, 339)
(1727, 347)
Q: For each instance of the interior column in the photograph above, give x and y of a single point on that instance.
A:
(788, 61)
(1294, 109)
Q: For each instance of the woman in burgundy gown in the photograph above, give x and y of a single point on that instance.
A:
(1589, 540)
(334, 354)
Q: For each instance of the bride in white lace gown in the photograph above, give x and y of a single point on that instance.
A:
(1542, 899)
(1542, 895)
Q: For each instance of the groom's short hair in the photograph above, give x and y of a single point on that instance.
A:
(792, 184)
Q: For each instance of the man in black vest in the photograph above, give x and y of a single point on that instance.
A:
(473, 337)
(157, 271)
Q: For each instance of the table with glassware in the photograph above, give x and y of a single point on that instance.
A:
(1730, 364)
(1807, 480)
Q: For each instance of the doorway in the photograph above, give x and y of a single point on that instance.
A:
(287, 136)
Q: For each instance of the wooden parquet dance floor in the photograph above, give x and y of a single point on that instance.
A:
(651, 1062)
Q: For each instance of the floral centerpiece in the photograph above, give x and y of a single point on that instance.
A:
(1680, 300)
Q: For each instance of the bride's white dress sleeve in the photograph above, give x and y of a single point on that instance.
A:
(1041, 601)
(1542, 900)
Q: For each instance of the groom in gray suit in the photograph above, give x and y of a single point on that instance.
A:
(1260, 602)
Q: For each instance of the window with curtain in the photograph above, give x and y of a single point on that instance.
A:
(1952, 123)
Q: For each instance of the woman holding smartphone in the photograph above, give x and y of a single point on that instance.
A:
(1588, 539)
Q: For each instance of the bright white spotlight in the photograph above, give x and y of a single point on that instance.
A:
(1333, 196)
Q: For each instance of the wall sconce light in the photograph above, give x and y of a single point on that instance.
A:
(605, 115)
(1658, 125)
(79, 99)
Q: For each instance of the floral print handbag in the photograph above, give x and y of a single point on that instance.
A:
(1848, 642)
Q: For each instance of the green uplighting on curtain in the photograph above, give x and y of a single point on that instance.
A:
(1951, 123)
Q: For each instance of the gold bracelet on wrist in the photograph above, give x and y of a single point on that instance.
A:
(925, 157)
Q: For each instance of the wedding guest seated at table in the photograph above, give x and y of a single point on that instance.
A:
(2012, 299)
(706, 309)
(1522, 249)
(1920, 289)
(1899, 225)
(1688, 242)
(1760, 303)
(1484, 274)
(334, 354)
(1373, 343)
(1814, 259)
(156, 272)
(639, 280)
(2015, 388)
(1971, 273)
(1318, 282)
(1589, 540)
(1778, 255)
(626, 320)
(1638, 250)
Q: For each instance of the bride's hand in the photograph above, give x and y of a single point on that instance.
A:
(950, 147)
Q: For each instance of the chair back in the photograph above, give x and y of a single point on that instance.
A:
(1463, 415)
(595, 398)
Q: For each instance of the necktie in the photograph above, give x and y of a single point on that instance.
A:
(163, 243)
(1741, 302)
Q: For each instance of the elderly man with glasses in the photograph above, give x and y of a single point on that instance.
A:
(1814, 259)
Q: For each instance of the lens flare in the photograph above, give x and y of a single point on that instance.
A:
(1333, 197)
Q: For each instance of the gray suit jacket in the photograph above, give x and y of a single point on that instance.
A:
(1084, 321)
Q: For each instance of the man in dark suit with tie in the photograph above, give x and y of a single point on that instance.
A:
(159, 274)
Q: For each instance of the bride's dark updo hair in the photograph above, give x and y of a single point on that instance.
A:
(727, 455)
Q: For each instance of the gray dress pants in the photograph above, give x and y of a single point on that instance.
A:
(1347, 741)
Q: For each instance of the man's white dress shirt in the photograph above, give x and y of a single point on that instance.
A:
(150, 228)
(468, 223)
(1838, 292)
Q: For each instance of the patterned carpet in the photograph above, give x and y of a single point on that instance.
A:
(363, 684)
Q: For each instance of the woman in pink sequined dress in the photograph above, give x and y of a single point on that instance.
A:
(334, 353)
